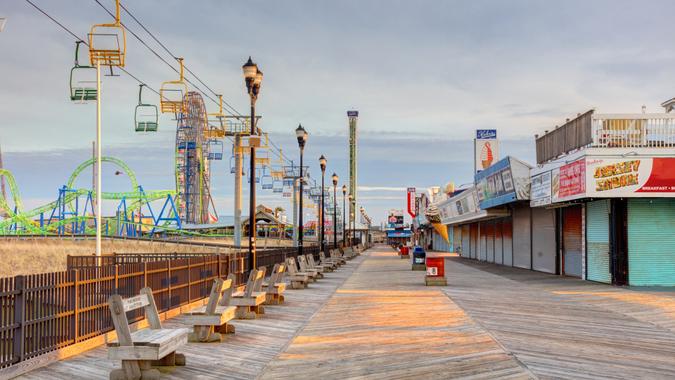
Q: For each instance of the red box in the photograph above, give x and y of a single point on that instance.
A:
(435, 266)
(405, 250)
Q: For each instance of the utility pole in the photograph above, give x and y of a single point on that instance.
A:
(238, 153)
(353, 117)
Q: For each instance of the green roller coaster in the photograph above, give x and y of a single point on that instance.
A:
(67, 214)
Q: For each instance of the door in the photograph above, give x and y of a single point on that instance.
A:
(597, 241)
(507, 241)
(572, 241)
(499, 258)
(543, 240)
(651, 221)
(647, 222)
(522, 249)
(474, 240)
(490, 240)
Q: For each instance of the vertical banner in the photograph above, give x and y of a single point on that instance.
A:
(411, 200)
(486, 149)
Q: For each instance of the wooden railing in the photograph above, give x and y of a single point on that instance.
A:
(44, 312)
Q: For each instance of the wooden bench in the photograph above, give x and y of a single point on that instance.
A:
(274, 288)
(304, 267)
(323, 268)
(336, 255)
(299, 280)
(140, 350)
(211, 321)
(248, 301)
(334, 264)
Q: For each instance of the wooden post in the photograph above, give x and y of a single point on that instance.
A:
(189, 270)
(19, 317)
(75, 323)
(145, 274)
(168, 283)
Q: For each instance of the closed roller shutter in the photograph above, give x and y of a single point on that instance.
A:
(597, 239)
(521, 237)
(482, 252)
(651, 242)
(457, 240)
(490, 240)
(507, 241)
(499, 259)
(543, 240)
(466, 242)
(474, 240)
(572, 241)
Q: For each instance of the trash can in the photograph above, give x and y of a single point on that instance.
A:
(405, 252)
(419, 256)
(435, 266)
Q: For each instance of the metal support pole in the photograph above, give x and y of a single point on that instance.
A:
(300, 211)
(334, 215)
(322, 217)
(238, 155)
(295, 212)
(98, 159)
(251, 209)
(344, 216)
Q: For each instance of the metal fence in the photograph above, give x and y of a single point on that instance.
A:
(44, 312)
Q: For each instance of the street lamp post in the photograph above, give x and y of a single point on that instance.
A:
(322, 162)
(335, 181)
(301, 134)
(253, 78)
(344, 215)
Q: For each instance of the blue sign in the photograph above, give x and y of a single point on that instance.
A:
(483, 134)
(352, 113)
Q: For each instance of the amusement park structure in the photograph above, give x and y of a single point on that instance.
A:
(200, 137)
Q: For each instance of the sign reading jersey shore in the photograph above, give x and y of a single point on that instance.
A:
(486, 149)
(630, 177)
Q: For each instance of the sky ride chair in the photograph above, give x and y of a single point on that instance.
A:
(266, 180)
(82, 80)
(146, 117)
(172, 94)
(108, 42)
(215, 149)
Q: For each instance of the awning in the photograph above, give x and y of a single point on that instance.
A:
(399, 234)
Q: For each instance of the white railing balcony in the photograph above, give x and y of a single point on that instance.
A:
(633, 130)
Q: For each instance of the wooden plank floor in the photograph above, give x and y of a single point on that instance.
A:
(241, 356)
(568, 328)
(383, 323)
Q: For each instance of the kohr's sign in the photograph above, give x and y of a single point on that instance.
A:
(482, 134)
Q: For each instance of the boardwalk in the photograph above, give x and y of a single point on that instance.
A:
(375, 319)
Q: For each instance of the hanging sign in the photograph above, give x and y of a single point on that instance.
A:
(411, 200)
(486, 150)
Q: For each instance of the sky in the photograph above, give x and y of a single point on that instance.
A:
(424, 76)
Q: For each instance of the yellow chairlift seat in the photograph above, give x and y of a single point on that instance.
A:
(172, 94)
(82, 80)
(108, 42)
(146, 117)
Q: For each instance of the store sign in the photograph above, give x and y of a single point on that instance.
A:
(411, 201)
(395, 219)
(569, 181)
(486, 149)
(504, 182)
(541, 189)
(638, 177)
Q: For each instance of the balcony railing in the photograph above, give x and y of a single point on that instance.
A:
(607, 131)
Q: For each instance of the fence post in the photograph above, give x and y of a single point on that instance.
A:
(168, 284)
(19, 317)
(188, 279)
(145, 274)
(75, 323)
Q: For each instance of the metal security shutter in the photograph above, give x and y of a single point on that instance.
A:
(507, 241)
(457, 240)
(490, 242)
(651, 242)
(597, 238)
(482, 252)
(474, 240)
(521, 237)
(466, 242)
(572, 241)
(498, 242)
(543, 240)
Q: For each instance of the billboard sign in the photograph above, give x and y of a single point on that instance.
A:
(506, 181)
(395, 219)
(541, 189)
(486, 149)
(635, 177)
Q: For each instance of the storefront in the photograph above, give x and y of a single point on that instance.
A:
(506, 240)
(615, 215)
